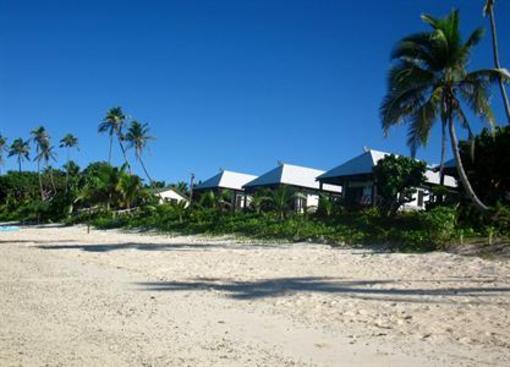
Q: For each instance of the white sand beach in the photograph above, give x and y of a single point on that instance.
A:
(69, 298)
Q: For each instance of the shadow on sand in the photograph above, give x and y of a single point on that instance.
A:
(363, 289)
(148, 246)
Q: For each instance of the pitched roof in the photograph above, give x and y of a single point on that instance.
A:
(162, 190)
(288, 174)
(365, 163)
(361, 164)
(226, 180)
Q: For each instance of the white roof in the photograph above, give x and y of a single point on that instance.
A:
(288, 174)
(226, 180)
(365, 163)
(171, 192)
(362, 164)
(433, 177)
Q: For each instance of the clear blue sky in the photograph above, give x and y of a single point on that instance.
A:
(223, 84)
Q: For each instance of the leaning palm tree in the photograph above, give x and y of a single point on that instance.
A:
(137, 138)
(20, 149)
(113, 124)
(69, 141)
(488, 10)
(3, 148)
(428, 82)
(40, 138)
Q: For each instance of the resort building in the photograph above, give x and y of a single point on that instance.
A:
(356, 177)
(227, 180)
(171, 195)
(301, 179)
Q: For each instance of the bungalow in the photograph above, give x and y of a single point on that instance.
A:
(302, 179)
(227, 180)
(356, 177)
(170, 194)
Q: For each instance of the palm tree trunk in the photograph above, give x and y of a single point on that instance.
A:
(443, 152)
(147, 174)
(67, 171)
(40, 180)
(52, 180)
(124, 154)
(460, 168)
(19, 164)
(497, 62)
(110, 151)
(145, 170)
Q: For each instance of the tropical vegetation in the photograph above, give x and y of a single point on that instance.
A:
(429, 83)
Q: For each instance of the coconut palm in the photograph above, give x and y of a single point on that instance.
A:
(113, 124)
(69, 141)
(488, 10)
(3, 148)
(428, 82)
(46, 154)
(137, 138)
(20, 149)
(40, 138)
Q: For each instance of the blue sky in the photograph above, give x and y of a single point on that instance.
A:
(223, 84)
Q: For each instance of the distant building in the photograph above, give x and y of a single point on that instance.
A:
(171, 195)
(227, 180)
(356, 177)
(301, 179)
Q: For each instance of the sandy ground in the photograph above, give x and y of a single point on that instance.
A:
(68, 298)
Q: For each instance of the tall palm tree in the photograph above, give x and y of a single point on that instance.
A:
(47, 153)
(428, 82)
(69, 141)
(40, 138)
(3, 148)
(20, 149)
(113, 124)
(138, 137)
(488, 10)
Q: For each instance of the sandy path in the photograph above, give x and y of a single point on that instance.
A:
(68, 298)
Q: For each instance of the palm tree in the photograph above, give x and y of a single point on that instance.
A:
(129, 187)
(281, 200)
(429, 80)
(20, 149)
(3, 148)
(138, 137)
(489, 10)
(47, 153)
(113, 124)
(40, 138)
(258, 199)
(68, 141)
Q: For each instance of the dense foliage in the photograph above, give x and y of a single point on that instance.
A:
(487, 162)
(397, 179)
